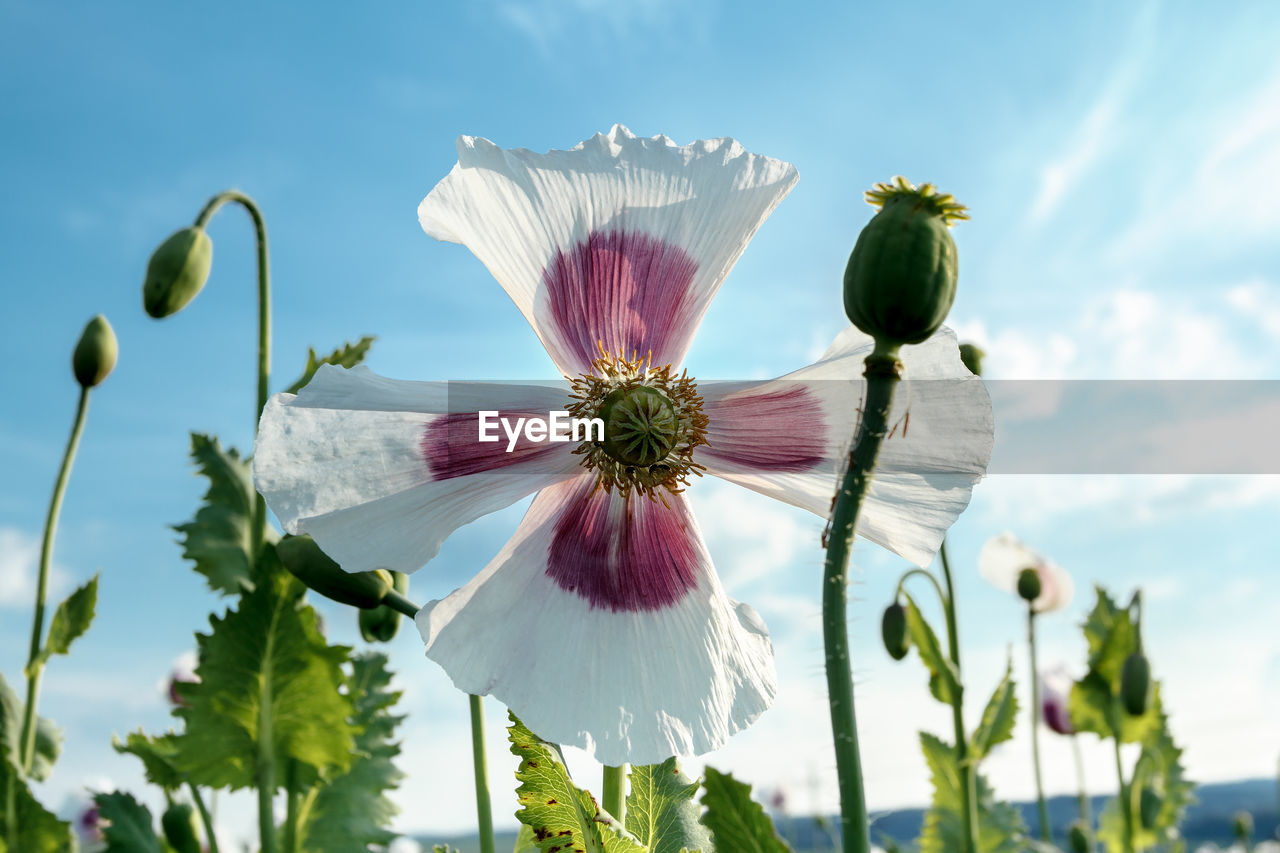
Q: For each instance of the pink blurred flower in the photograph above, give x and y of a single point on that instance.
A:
(1055, 694)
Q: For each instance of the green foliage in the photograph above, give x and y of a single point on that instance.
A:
(157, 754)
(48, 736)
(998, 718)
(349, 812)
(269, 683)
(999, 824)
(944, 683)
(525, 842)
(347, 355)
(219, 539)
(661, 810)
(34, 829)
(1159, 774)
(562, 816)
(1095, 704)
(737, 822)
(129, 828)
(70, 620)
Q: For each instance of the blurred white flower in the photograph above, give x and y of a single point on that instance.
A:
(1004, 558)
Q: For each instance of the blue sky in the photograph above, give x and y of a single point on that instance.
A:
(1122, 164)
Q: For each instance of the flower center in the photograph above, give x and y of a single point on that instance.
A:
(652, 418)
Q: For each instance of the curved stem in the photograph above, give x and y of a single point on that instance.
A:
(1126, 803)
(1082, 798)
(902, 581)
(210, 838)
(615, 796)
(968, 773)
(259, 529)
(883, 370)
(35, 664)
(1045, 831)
(484, 808)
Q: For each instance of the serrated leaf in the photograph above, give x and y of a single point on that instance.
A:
(943, 681)
(998, 718)
(661, 810)
(999, 824)
(562, 816)
(347, 355)
(219, 539)
(157, 755)
(351, 811)
(525, 842)
(265, 672)
(48, 736)
(1111, 636)
(737, 822)
(72, 618)
(128, 827)
(1094, 708)
(37, 829)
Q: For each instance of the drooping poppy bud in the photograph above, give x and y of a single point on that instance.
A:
(1135, 684)
(95, 354)
(380, 624)
(901, 277)
(180, 828)
(972, 356)
(1078, 837)
(177, 271)
(1149, 805)
(893, 629)
(1029, 585)
(304, 559)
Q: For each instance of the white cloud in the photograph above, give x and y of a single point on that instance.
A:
(19, 565)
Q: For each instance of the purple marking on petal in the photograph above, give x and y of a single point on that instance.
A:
(630, 291)
(451, 446)
(783, 429)
(623, 554)
(1053, 710)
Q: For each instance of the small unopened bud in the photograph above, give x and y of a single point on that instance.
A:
(380, 624)
(1078, 837)
(972, 356)
(95, 354)
(1029, 585)
(304, 559)
(180, 828)
(893, 630)
(1149, 806)
(901, 278)
(177, 271)
(1135, 684)
(1242, 827)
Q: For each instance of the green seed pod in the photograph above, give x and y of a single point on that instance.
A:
(303, 557)
(177, 271)
(1078, 837)
(180, 828)
(972, 356)
(380, 624)
(893, 629)
(901, 277)
(1029, 585)
(95, 353)
(1242, 827)
(1135, 684)
(1149, 805)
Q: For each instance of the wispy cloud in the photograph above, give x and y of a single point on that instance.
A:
(19, 562)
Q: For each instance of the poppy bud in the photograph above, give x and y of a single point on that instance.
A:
(1242, 827)
(180, 828)
(1078, 837)
(380, 624)
(893, 629)
(1029, 585)
(972, 357)
(1135, 684)
(901, 278)
(177, 271)
(1149, 806)
(95, 354)
(304, 559)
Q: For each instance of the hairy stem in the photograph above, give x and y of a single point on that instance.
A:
(883, 370)
(35, 665)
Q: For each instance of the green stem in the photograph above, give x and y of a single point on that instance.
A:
(968, 773)
(35, 665)
(484, 808)
(883, 370)
(615, 788)
(210, 838)
(1045, 831)
(259, 529)
(400, 604)
(289, 841)
(264, 776)
(1126, 803)
(1082, 798)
